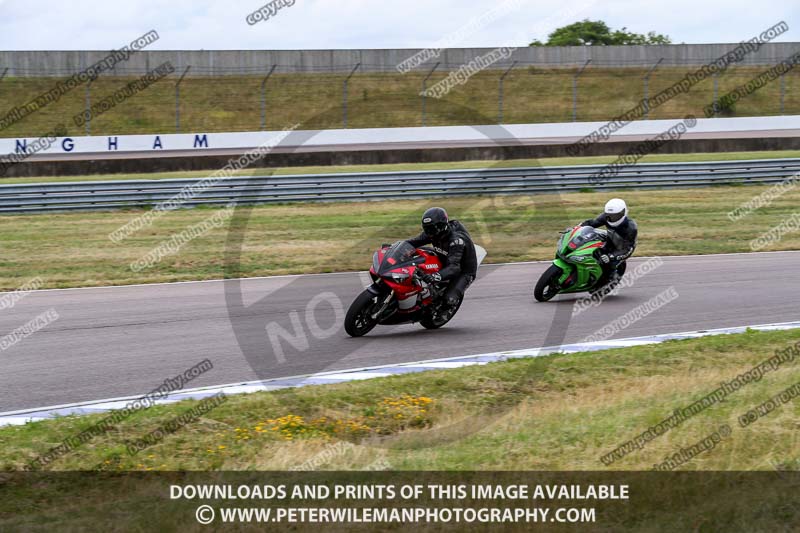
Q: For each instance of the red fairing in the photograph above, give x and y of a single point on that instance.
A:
(409, 287)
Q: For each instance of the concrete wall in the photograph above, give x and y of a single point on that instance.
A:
(486, 153)
(221, 62)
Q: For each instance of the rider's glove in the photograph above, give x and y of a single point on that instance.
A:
(604, 258)
(431, 278)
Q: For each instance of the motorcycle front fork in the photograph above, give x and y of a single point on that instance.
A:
(384, 306)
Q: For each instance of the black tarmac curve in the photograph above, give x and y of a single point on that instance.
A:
(122, 341)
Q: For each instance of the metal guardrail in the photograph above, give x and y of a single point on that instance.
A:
(92, 195)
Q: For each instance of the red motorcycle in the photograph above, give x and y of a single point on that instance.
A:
(397, 294)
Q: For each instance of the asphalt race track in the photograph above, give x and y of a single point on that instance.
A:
(122, 341)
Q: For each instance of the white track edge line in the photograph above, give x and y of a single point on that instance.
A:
(549, 350)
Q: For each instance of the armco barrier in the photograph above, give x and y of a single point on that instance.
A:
(42, 197)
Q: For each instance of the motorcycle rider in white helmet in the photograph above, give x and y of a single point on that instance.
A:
(622, 233)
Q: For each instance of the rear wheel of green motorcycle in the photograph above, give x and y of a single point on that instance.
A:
(547, 286)
(611, 285)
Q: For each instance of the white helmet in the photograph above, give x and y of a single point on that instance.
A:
(616, 211)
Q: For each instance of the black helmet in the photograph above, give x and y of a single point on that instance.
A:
(435, 222)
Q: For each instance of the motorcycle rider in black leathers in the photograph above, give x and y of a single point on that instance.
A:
(452, 243)
(622, 234)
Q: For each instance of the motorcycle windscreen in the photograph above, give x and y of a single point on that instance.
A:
(584, 235)
(480, 254)
(399, 254)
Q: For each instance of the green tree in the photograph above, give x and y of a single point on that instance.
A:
(597, 33)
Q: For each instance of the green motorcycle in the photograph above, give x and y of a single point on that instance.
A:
(575, 268)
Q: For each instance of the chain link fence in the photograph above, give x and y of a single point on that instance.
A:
(360, 95)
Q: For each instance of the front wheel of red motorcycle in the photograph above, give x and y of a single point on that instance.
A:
(358, 321)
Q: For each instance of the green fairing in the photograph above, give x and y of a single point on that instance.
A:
(584, 273)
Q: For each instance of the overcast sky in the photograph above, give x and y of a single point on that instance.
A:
(310, 24)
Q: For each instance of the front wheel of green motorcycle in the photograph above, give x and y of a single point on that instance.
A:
(547, 286)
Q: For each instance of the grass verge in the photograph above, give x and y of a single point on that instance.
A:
(531, 95)
(560, 412)
(74, 249)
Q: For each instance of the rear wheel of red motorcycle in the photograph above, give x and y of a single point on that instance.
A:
(359, 321)
(547, 286)
(440, 317)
